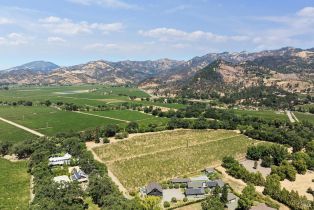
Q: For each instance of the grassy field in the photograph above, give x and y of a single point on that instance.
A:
(264, 114)
(160, 156)
(12, 134)
(50, 121)
(14, 185)
(304, 116)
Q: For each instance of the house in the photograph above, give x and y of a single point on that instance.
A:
(64, 160)
(194, 192)
(200, 178)
(78, 174)
(153, 189)
(231, 198)
(196, 184)
(209, 170)
(180, 180)
(211, 184)
(61, 179)
(261, 207)
(219, 182)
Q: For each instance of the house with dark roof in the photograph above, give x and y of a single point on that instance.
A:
(194, 192)
(196, 184)
(78, 175)
(211, 184)
(219, 182)
(180, 180)
(153, 189)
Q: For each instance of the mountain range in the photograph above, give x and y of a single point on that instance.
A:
(291, 69)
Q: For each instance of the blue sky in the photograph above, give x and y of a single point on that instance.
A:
(70, 32)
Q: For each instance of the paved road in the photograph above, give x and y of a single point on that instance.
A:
(22, 127)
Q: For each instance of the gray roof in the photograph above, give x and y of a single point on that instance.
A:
(261, 207)
(151, 186)
(180, 180)
(209, 170)
(219, 182)
(211, 184)
(231, 196)
(195, 191)
(195, 184)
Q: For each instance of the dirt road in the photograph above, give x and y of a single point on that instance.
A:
(22, 127)
(95, 115)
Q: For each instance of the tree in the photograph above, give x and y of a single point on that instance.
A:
(132, 127)
(151, 203)
(4, 147)
(247, 197)
(272, 185)
(212, 203)
(224, 194)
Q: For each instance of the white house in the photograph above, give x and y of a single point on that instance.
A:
(64, 160)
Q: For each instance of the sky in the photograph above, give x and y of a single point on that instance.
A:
(69, 32)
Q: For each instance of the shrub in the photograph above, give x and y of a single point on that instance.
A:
(176, 186)
(106, 140)
(182, 185)
(171, 186)
(132, 193)
(173, 200)
(164, 186)
(166, 204)
(185, 199)
(121, 135)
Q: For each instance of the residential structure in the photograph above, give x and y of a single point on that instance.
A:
(77, 174)
(180, 180)
(195, 192)
(153, 189)
(209, 170)
(64, 160)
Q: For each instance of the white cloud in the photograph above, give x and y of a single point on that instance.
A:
(106, 3)
(177, 8)
(68, 27)
(55, 39)
(14, 39)
(4, 21)
(306, 12)
(171, 34)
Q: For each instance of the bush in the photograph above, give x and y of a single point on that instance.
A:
(171, 186)
(176, 186)
(132, 193)
(182, 185)
(122, 135)
(106, 140)
(173, 200)
(166, 204)
(185, 199)
(164, 186)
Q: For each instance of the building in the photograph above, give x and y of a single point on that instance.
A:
(64, 160)
(61, 179)
(78, 175)
(200, 178)
(209, 170)
(261, 207)
(194, 192)
(153, 189)
(231, 198)
(196, 184)
(211, 184)
(219, 182)
(180, 180)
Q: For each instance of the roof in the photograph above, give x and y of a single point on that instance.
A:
(219, 182)
(67, 156)
(231, 196)
(180, 180)
(211, 184)
(60, 179)
(195, 184)
(151, 186)
(261, 207)
(195, 191)
(209, 170)
(200, 178)
(78, 175)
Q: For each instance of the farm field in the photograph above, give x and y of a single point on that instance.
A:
(264, 114)
(163, 155)
(12, 134)
(304, 117)
(14, 185)
(51, 121)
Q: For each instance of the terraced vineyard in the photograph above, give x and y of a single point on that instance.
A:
(159, 156)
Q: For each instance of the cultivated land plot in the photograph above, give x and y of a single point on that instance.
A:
(14, 185)
(51, 121)
(13, 134)
(160, 156)
(304, 117)
(264, 114)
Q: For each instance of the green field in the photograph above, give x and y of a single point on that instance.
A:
(12, 134)
(160, 156)
(14, 185)
(264, 114)
(304, 116)
(51, 121)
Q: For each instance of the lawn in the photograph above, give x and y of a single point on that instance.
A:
(51, 121)
(304, 117)
(264, 114)
(12, 134)
(14, 185)
(160, 156)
